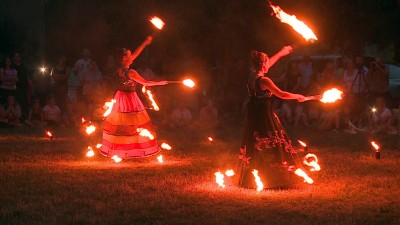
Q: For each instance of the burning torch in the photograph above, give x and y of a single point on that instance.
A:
(377, 149)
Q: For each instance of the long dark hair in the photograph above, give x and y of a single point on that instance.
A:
(4, 62)
(258, 59)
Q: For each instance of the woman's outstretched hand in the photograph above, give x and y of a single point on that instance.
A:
(300, 98)
(286, 50)
(148, 40)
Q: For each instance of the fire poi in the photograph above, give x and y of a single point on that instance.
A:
(377, 149)
(157, 22)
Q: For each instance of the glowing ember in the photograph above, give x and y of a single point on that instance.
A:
(298, 25)
(42, 69)
(260, 185)
(188, 83)
(210, 139)
(90, 152)
(301, 173)
(49, 134)
(375, 145)
(83, 120)
(153, 103)
(90, 129)
(219, 178)
(229, 173)
(157, 22)
(99, 145)
(166, 146)
(116, 159)
(108, 107)
(332, 95)
(312, 163)
(145, 133)
(302, 143)
(160, 159)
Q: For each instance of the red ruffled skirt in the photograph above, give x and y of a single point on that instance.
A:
(120, 129)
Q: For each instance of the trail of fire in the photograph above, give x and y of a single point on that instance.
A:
(299, 172)
(312, 163)
(260, 185)
(230, 173)
(219, 178)
(160, 159)
(90, 152)
(108, 107)
(150, 96)
(145, 133)
(298, 25)
(166, 146)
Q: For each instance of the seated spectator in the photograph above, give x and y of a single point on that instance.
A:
(8, 81)
(208, 117)
(380, 117)
(13, 112)
(70, 117)
(3, 119)
(181, 117)
(51, 112)
(35, 118)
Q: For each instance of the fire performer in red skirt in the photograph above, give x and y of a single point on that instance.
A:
(265, 146)
(128, 117)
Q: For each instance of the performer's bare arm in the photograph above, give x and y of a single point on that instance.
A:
(286, 50)
(139, 49)
(267, 83)
(139, 79)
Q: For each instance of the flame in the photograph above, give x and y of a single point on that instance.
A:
(145, 133)
(116, 158)
(332, 95)
(219, 178)
(48, 133)
(302, 143)
(188, 83)
(260, 185)
(108, 107)
(99, 145)
(83, 120)
(144, 90)
(375, 145)
(210, 139)
(313, 163)
(166, 146)
(301, 173)
(157, 22)
(229, 173)
(90, 129)
(160, 159)
(298, 25)
(90, 152)
(153, 103)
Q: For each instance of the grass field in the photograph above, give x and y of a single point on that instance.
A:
(52, 182)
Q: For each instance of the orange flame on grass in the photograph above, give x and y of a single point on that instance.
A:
(298, 25)
(260, 185)
(313, 163)
(160, 159)
(375, 146)
(145, 133)
(302, 143)
(48, 133)
(150, 96)
(189, 83)
(99, 145)
(157, 22)
(90, 129)
(166, 146)
(108, 107)
(83, 120)
(116, 158)
(230, 173)
(210, 139)
(332, 95)
(90, 152)
(219, 178)
(301, 173)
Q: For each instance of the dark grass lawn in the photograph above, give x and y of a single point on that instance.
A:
(52, 182)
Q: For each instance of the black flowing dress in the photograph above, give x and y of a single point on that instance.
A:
(265, 146)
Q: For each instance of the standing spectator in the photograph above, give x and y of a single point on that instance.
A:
(35, 118)
(292, 78)
(378, 81)
(51, 112)
(208, 117)
(41, 82)
(60, 75)
(70, 116)
(380, 117)
(83, 64)
(13, 112)
(23, 92)
(181, 117)
(73, 85)
(8, 80)
(306, 72)
(92, 81)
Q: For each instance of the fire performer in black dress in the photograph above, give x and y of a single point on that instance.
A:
(265, 145)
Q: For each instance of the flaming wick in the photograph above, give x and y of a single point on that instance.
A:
(375, 146)
(302, 143)
(145, 133)
(313, 163)
(90, 152)
(219, 179)
(108, 107)
(116, 158)
(99, 146)
(188, 83)
(230, 173)
(49, 134)
(166, 146)
(301, 173)
(157, 22)
(90, 129)
(210, 139)
(260, 185)
(332, 95)
(160, 159)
